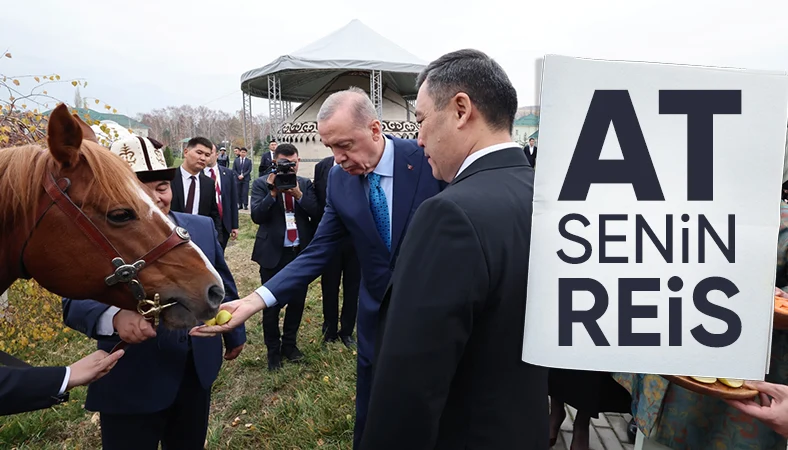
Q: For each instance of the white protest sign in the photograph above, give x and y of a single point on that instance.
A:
(656, 213)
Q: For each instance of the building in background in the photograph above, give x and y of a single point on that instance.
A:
(525, 127)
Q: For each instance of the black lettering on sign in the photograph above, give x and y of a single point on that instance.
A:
(567, 315)
(627, 311)
(586, 245)
(718, 312)
(700, 108)
(611, 108)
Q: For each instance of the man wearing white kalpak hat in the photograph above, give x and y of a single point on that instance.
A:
(160, 391)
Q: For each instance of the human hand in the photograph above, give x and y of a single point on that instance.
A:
(773, 412)
(241, 310)
(92, 367)
(234, 234)
(295, 192)
(132, 326)
(780, 293)
(231, 354)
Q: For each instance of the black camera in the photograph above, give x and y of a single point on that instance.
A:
(285, 174)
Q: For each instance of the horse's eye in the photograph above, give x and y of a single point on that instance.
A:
(121, 215)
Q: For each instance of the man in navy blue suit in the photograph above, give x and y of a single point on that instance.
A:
(160, 391)
(243, 171)
(373, 191)
(226, 197)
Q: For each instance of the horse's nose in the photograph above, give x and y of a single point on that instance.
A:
(215, 295)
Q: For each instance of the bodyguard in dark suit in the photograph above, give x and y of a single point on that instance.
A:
(287, 223)
(266, 159)
(227, 192)
(160, 391)
(449, 373)
(530, 152)
(242, 167)
(345, 266)
(192, 191)
(223, 160)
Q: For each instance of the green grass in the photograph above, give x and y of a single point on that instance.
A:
(309, 405)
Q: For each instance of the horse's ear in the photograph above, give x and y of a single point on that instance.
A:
(87, 133)
(64, 136)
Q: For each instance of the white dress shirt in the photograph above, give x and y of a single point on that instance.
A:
(385, 169)
(186, 176)
(483, 152)
(207, 172)
(65, 381)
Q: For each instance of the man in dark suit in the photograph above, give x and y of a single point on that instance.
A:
(243, 170)
(372, 194)
(530, 152)
(226, 195)
(345, 266)
(287, 219)
(192, 191)
(160, 391)
(449, 372)
(25, 388)
(223, 160)
(266, 159)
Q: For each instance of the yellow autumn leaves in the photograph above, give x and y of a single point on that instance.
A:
(33, 316)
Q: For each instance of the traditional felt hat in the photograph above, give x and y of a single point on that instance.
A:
(145, 158)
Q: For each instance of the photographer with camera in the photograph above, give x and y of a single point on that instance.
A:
(285, 207)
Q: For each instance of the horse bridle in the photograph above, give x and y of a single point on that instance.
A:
(122, 271)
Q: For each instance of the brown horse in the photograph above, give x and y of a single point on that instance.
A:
(76, 219)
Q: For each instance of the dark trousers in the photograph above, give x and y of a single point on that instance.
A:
(345, 266)
(182, 426)
(293, 310)
(224, 237)
(363, 393)
(243, 193)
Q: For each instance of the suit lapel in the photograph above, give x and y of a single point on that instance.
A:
(178, 203)
(407, 173)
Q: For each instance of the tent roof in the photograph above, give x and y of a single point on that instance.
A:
(353, 47)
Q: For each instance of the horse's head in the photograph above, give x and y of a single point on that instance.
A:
(73, 257)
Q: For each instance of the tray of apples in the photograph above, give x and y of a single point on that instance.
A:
(728, 388)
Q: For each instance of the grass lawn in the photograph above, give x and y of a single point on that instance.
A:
(304, 406)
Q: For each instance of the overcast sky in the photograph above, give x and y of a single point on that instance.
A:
(149, 54)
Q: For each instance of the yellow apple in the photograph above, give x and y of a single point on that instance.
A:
(223, 317)
(211, 322)
(707, 380)
(732, 382)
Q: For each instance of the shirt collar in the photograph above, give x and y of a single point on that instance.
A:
(385, 167)
(483, 152)
(186, 175)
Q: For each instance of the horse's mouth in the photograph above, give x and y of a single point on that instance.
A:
(178, 315)
(181, 315)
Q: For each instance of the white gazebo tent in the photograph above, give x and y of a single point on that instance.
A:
(354, 55)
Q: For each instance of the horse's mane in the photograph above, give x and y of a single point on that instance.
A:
(22, 172)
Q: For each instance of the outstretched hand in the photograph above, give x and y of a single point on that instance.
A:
(771, 411)
(241, 310)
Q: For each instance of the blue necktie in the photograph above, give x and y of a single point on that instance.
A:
(379, 207)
